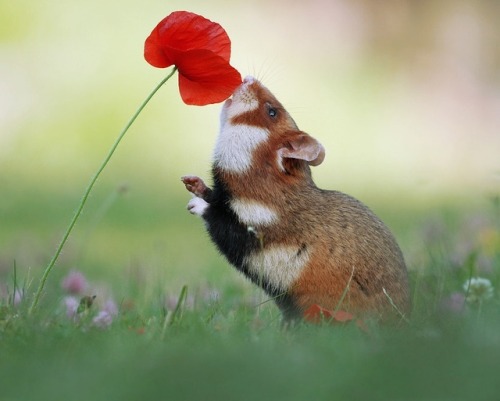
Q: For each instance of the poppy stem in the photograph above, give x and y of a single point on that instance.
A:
(86, 194)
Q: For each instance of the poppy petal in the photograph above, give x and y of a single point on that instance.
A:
(205, 78)
(316, 314)
(183, 31)
(342, 316)
(155, 54)
(162, 57)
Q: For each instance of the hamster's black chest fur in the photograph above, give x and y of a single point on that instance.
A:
(233, 238)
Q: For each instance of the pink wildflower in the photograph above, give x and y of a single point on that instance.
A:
(74, 283)
(103, 319)
(110, 307)
(106, 315)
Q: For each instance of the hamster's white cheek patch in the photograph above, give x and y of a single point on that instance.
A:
(253, 213)
(235, 145)
(280, 266)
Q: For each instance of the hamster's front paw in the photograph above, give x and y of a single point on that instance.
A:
(195, 185)
(197, 206)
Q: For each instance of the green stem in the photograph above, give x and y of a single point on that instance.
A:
(89, 189)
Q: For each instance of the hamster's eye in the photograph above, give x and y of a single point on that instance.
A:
(271, 111)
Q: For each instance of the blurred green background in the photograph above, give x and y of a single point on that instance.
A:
(404, 95)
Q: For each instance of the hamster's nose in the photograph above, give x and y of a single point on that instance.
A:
(248, 79)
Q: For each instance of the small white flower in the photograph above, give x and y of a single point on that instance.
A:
(71, 304)
(478, 289)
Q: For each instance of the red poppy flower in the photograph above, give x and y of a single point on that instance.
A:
(200, 49)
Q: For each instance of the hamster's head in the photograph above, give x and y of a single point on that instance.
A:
(256, 132)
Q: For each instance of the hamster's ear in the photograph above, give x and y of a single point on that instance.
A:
(300, 145)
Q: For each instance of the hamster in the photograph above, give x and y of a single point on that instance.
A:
(301, 244)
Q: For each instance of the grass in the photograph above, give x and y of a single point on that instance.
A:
(189, 328)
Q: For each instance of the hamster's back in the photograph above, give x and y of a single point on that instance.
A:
(352, 248)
